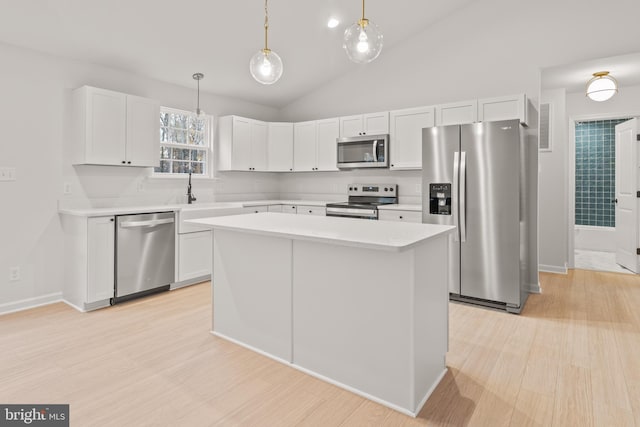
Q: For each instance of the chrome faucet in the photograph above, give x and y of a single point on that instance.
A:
(190, 197)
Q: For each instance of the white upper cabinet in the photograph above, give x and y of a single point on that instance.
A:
(113, 128)
(364, 124)
(328, 131)
(315, 146)
(505, 108)
(304, 146)
(406, 136)
(242, 144)
(280, 147)
(457, 113)
(143, 138)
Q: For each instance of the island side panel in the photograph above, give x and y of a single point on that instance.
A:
(431, 316)
(352, 318)
(252, 291)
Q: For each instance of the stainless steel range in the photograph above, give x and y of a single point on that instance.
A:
(364, 200)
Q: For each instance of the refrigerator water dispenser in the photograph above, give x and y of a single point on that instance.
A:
(440, 199)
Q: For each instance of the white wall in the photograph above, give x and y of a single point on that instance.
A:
(333, 185)
(552, 180)
(34, 109)
(489, 48)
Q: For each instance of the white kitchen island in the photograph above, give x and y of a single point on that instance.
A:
(361, 304)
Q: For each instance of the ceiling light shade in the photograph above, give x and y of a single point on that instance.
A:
(266, 66)
(602, 86)
(362, 40)
(197, 77)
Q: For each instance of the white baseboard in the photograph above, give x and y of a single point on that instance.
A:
(553, 269)
(28, 303)
(534, 288)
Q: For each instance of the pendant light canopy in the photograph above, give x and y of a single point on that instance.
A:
(602, 86)
(362, 40)
(266, 65)
(197, 77)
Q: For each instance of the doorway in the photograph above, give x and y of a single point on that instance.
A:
(594, 221)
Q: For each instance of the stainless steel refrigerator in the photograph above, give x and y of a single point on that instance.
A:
(482, 177)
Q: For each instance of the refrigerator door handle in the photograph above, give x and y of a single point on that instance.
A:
(463, 197)
(454, 195)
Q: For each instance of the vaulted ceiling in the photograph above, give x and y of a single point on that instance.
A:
(169, 41)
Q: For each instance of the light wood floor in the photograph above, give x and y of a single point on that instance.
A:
(571, 359)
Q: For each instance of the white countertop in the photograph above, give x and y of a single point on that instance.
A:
(400, 207)
(124, 210)
(383, 235)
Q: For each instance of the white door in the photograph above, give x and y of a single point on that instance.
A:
(241, 152)
(259, 146)
(100, 258)
(626, 200)
(106, 127)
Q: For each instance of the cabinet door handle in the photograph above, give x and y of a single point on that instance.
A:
(400, 216)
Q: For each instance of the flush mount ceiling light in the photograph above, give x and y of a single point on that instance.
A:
(362, 40)
(602, 86)
(197, 77)
(266, 65)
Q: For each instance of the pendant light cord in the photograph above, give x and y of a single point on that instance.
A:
(363, 18)
(198, 110)
(266, 26)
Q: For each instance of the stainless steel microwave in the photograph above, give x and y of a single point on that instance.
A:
(367, 151)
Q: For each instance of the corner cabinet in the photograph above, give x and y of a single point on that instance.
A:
(112, 128)
(364, 124)
(242, 144)
(315, 145)
(406, 136)
(280, 147)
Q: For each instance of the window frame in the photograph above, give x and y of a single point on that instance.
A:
(208, 147)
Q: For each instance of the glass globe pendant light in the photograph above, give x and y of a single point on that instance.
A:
(602, 86)
(197, 77)
(362, 40)
(266, 65)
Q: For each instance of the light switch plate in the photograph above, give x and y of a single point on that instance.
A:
(7, 174)
(14, 274)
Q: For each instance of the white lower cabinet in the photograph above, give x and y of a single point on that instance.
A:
(289, 209)
(256, 209)
(100, 258)
(395, 215)
(194, 258)
(311, 210)
(89, 248)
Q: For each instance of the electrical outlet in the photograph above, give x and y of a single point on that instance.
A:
(7, 174)
(418, 188)
(67, 188)
(14, 274)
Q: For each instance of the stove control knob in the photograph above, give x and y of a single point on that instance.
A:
(350, 188)
(390, 188)
(355, 188)
(386, 189)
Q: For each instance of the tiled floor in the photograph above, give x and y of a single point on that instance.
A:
(601, 261)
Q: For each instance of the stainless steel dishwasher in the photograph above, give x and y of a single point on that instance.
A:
(145, 254)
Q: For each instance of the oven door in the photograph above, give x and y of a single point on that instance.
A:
(353, 213)
(363, 152)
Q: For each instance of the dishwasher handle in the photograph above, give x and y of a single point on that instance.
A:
(149, 223)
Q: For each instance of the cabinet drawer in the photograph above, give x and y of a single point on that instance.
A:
(311, 210)
(255, 209)
(289, 208)
(407, 216)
